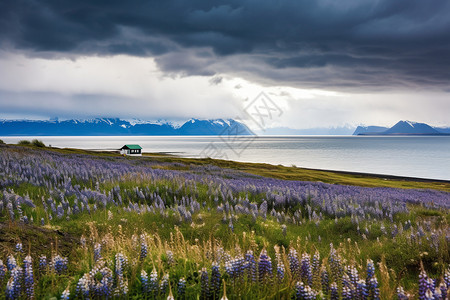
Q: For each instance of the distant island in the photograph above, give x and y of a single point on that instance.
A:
(402, 128)
(119, 127)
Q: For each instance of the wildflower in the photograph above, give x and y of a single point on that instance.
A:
(373, 289)
(305, 269)
(370, 271)
(334, 294)
(181, 288)
(264, 266)
(204, 279)
(250, 266)
(215, 280)
(316, 269)
(361, 289)
(325, 281)
(153, 282)
(42, 263)
(14, 285)
(28, 277)
(97, 252)
(3, 270)
(65, 294)
(11, 263)
(294, 264)
(144, 282)
(401, 295)
(144, 247)
(280, 265)
(303, 292)
(164, 284)
(59, 264)
(170, 260)
(19, 247)
(442, 287)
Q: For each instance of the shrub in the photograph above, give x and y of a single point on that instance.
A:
(1, 142)
(24, 142)
(38, 143)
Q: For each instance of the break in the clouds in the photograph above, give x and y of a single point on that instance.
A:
(177, 58)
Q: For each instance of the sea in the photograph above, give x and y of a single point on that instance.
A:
(411, 156)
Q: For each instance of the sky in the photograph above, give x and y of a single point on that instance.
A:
(323, 63)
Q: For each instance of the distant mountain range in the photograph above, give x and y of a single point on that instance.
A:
(115, 126)
(402, 128)
(341, 130)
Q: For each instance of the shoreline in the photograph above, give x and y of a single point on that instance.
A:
(276, 171)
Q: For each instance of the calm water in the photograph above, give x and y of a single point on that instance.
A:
(425, 157)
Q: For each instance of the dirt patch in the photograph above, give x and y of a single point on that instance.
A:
(35, 240)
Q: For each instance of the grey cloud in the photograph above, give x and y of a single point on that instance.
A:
(362, 42)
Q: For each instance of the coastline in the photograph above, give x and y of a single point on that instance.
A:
(277, 171)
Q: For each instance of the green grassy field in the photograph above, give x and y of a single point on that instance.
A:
(181, 217)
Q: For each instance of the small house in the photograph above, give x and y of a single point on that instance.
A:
(132, 150)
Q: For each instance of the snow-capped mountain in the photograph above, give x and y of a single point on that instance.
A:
(401, 128)
(115, 126)
(369, 130)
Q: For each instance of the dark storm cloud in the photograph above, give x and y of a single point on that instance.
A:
(355, 43)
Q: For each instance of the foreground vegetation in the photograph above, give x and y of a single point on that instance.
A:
(76, 224)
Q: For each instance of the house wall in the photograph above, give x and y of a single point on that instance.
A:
(130, 152)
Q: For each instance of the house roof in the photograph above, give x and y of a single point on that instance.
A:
(131, 147)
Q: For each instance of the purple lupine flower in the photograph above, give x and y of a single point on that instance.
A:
(373, 289)
(315, 264)
(294, 264)
(164, 284)
(42, 263)
(97, 252)
(215, 280)
(299, 290)
(204, 283)
(11, 263)
(429, 295)
(334, 293)
(347, 285)
(3, 270)
(153, 282)
(83, 286)
(28, 277)
(335, 264)
(325, 281)
(447, 277)
(305, 269)
(346, 293)
(181, 288)
(370, 271)
(401, 295)
(361, 290)
(229, 269)
(14, 285)
(250, 266)
(264, 266)
(280, 266)
(144, 282)
(170, 259)
(19, 247)
(443, 287)
(59, 264)
(9, 292)
(304, 292)
(65, 294)
(144, 247)
(423, 283)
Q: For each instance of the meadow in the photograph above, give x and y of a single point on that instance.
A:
(91, 225)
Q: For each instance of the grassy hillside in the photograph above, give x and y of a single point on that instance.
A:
(97, 225)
